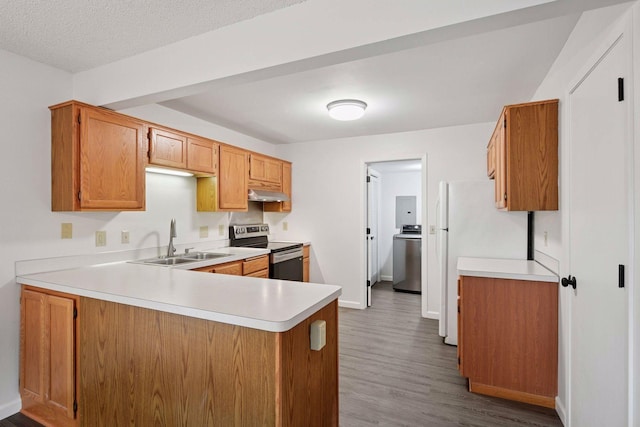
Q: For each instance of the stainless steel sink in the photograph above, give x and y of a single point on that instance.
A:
(182, 258)
(167, 261)
(202, 255)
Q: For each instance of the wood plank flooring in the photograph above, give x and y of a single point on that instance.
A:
(396, 371)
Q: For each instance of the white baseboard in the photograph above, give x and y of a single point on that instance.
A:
(432, 315)
(349, 304)
(8, 409)
(562, 412)
(386, 278)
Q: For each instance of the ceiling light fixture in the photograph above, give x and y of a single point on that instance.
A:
(346, 109)
(168, 172)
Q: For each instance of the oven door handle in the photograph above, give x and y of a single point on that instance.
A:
(286, 255)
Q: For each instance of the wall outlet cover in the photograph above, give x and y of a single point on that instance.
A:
(204, 231)
(220, 229)
(101, 238)
(66, 231)
(285, 226)
(124, 237)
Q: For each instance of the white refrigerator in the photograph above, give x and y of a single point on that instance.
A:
(469, 225)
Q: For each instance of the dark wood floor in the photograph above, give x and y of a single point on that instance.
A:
(396, 371)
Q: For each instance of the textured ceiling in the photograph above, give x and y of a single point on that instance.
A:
(76, 35)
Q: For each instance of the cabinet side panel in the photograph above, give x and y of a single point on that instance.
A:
(32, 346)
(511, 341)
(144, 367)
(533, 157)
(63, 158)
(310, 378)
(61, 348)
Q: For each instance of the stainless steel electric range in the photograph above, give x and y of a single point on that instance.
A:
(285, 259)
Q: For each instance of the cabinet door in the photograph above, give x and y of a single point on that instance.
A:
(265, 169)
(112, 159)
(32, 345)
(233, 268)
(491, 157)
(47, 356)
(202, 155)
(232, 179)
(60, 343)
(167, 148)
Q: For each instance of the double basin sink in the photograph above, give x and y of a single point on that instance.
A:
(183, 258)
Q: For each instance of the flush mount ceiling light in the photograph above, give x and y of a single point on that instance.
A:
(346, 109)
(168, 171)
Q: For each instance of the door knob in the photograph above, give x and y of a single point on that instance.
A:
(569, 281)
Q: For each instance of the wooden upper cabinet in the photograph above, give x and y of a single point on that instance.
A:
(265, 173)
(97, 159)
(48, 371)
(227, 191)
(202, 155)
(167, 148)
(286, 189)
(524, 151)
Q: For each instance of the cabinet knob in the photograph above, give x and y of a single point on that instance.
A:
(566, 281)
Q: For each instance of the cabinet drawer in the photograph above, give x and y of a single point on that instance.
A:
(234, 268)
(264, 274)
(253, 265)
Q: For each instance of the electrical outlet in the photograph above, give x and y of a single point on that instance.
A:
(101, 238)
(124, 237)
(66, 231)
(220, 230)
(285, 226)
(204, 231)
(432, 229)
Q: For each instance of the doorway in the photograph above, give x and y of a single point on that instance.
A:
(386, 181)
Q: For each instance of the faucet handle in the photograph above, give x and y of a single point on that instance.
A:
(186, 250)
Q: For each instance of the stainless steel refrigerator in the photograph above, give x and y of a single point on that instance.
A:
(468, 224)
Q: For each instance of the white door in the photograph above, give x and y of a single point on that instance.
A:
(373, 207)
(599, 198)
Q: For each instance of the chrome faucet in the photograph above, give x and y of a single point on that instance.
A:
(172, 233)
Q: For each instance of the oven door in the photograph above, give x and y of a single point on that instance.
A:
(286, 265)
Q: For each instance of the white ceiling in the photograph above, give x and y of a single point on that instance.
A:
(459, 74)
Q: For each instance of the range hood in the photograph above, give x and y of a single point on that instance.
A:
(267, 196)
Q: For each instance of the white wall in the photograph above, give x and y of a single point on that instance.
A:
(579, 48)
(28, 227)
(328, 196)
(30, 230)
(394, 184)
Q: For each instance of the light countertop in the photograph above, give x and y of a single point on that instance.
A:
(505, 269)
(266, 304)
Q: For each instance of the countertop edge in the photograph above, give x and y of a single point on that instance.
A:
(527, 270)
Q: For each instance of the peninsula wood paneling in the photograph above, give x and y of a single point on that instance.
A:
(144, 367)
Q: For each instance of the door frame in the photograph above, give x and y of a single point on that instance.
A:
(424, 220)
(624, 25)
(376, 242)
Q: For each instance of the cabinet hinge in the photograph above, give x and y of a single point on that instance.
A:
(458, 360)
(368, 179)
(80, 195)
(75, 313)
(75, 406)
(79, 121)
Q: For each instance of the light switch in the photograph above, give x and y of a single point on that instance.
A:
(318, 335)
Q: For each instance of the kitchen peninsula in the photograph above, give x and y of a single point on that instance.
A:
(165, 346)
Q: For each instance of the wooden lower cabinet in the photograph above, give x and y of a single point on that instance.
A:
(256, 267)
(508, 338)
(144, 367)
(306, 262)
(48, 380)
